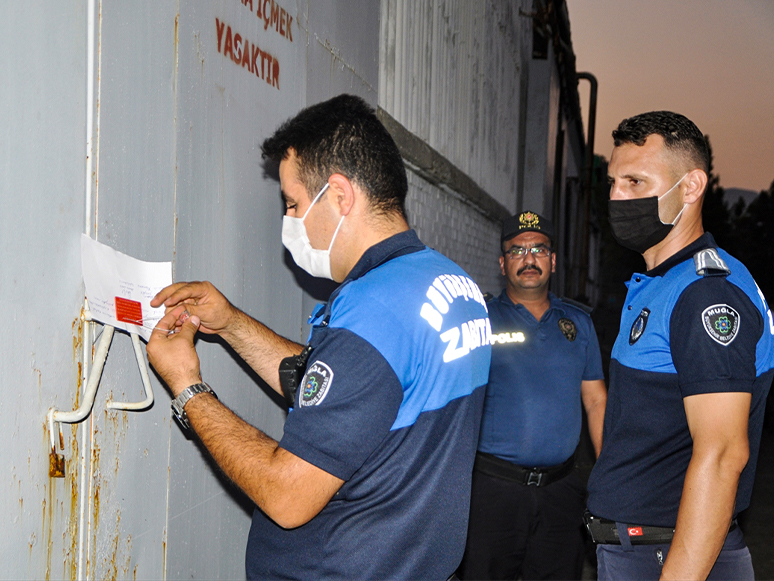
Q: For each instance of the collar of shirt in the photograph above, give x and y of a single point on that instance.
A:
(392, 247)
(381, 252)
(556, 303)
(704, 241)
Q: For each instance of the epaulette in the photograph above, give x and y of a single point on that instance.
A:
(578, 305)
(488, 297)
(709, 263)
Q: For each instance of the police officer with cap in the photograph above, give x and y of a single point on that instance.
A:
(527, 501)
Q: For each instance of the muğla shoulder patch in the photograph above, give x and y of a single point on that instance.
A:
(638, 327)
(721, 323)
(316, 383)
(568, 329)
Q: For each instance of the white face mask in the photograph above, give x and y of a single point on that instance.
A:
(295, 239)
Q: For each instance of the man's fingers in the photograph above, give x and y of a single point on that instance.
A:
(189, 328)
(179, 293)
(165, 293)
(166, 324)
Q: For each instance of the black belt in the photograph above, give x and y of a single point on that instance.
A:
(493, 466)
(605, 532)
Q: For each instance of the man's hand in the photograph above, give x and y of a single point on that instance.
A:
(201, 299)
(260, 347)
(171, 351)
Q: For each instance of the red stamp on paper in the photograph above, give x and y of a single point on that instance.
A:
(128, 311)
(635, 531)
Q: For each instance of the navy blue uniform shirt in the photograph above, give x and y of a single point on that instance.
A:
(532, 412)
(682, 333)
(391, 404)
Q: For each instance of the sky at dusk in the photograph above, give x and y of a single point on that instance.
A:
(711, 60)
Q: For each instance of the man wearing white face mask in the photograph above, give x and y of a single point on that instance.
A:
(294, 237)
(689, 376)
(371, 479)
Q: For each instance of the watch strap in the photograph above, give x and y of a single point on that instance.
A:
(178, 404)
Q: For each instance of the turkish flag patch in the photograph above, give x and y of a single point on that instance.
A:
(635, 531)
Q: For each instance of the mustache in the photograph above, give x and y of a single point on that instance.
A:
(527, 267)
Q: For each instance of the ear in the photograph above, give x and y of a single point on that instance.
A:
(502, 265)
(696, 182)
(342, 192)
(553, 262)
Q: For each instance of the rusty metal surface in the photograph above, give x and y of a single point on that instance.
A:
(41, 180)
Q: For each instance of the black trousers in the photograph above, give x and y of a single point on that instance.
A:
(536, 532)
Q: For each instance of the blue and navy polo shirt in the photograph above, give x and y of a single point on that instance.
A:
(391, 404)
(695, 324)
(532, 412)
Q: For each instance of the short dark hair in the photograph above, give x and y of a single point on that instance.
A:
(343, 135)
(680, 135)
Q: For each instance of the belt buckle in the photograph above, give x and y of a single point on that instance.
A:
(535, 478)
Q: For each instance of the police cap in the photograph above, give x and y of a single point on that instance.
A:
(526, 221)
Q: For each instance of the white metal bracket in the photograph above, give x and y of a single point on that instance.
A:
(55, 416)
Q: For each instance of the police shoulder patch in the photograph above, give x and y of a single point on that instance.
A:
(721, 323)
(568, 328)
(316, 383)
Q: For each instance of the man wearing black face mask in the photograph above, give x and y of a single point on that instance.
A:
(689, 376)
(526, 515)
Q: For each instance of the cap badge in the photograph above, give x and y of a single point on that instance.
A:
(529, 220)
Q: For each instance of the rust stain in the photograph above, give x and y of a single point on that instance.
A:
(56, 464)
(47, 508)
(128, 557)
(112, 564)
(72, 483)
(48, 524)
(77, 327)
(49, 499)
(56, 461)
(164, 550)
(95, 504)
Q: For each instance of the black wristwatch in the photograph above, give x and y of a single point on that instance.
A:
(178, 404)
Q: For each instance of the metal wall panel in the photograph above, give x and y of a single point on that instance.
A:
(342, 48)
(228, 219)
(452, 72)
(42, 175)
(543, 97)
(135, 173)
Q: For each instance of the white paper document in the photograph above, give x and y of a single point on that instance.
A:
(119, 288)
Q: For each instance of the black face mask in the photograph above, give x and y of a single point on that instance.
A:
(635, 223)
